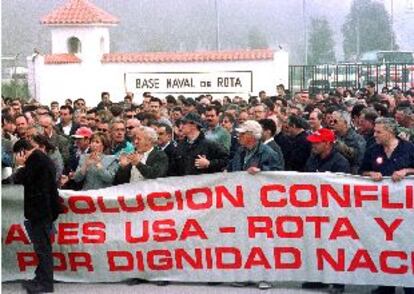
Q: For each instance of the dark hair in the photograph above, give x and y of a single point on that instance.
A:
(79, 99)
(103, 138)
(297, 122)
(177, 108)
(68, 108)
(168, 128)
(212, 107)
(20, 115)
(370, 115)
(116, 109)
(155, 99)
(104, 93)
(170, 99)
(381, 109)
(6, 118)
(230, 116)
(44, 141)
(371, 84)
(268, 125)
(357, 109)
(21, 145)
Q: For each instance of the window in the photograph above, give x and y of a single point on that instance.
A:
(74, 45)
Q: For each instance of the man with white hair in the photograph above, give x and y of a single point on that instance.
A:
(348, 142)
(147, 162)
(253, 156)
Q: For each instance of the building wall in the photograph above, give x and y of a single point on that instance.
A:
(89, 79)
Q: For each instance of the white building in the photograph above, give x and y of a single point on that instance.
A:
(81, 64)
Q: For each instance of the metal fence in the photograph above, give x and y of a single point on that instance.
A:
(326, 77)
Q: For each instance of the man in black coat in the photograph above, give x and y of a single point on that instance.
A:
(147, 162)
(36, 171)
(198, 155)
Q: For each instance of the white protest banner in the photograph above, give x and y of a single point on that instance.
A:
(274, 226)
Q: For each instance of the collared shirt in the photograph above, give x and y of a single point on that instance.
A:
(66, 129)
(268, 141)
(136, 175)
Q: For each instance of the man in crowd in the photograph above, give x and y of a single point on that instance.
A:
(147, 162)
(119, 144)
(366, 125)
(105, 103)
(315, 120)
(268, 134)
(169, 146)
(215, 132)
(198, 155)
(66, 126)
(131, 125)
(389, 156)
(348, 143)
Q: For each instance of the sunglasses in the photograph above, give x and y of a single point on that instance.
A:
(102, 130)
(129, 116)
(130, 128)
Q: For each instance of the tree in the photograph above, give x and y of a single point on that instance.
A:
(256, 39)
(321, 43)
(367, 27)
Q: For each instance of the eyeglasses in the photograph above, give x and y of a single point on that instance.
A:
(335, 121)
(129, 116)
(102, 130)
(130, 128)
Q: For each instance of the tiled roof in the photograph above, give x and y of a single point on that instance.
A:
(78, 12)
(63, 58)
(165, 57)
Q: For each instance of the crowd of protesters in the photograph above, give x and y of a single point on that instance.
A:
(94, 146)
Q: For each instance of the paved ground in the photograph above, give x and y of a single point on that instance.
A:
(178, 288)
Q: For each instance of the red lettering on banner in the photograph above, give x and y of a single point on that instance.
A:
(140, 261)
(385, 200)
(164, 230)
(264, 192)
(132, 239)
(295, 253)
(26, 259)
(337, 264)
(283, 233)
(192, 229)
(137, 208)
(115, 266)
(362, 259)
(66, 232)
(196, 262)
(190, 195)
(257, 258)
(409, 196)
(360, 196)
(343, 229)
(328, 191)
(389, 229)
(73, 201)
(318, 220)
(80, 259)
(209, 258)
(61, 265)
(16, 234)
(94, 233)
(311, 202)
(103, 208)
(152, 203)
(179, 198)
(221, 252)
(255, 226)
(164, 261)
(223, 192)
(402, 269)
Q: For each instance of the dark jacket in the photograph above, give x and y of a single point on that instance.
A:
(171, 151)
(276, 148)
(156, 166)
(263, 157)
(299, 152)
(41, 197)
(72, 131)
(335, 162)
(188, 153)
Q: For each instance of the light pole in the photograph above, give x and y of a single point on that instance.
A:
(216, 6)
(305, 30)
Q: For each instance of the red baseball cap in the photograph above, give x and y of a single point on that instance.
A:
(322, 135)
(83, 132)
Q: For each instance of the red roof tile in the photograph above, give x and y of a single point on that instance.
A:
(63, 58)
(166, 57)
(78, 12)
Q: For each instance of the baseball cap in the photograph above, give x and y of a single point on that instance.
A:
(322, 135)
(82, 132)
(251, 126)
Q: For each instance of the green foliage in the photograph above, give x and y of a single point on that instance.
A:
(256, 39)
(367, 27)
(321, 43)
(13, 89)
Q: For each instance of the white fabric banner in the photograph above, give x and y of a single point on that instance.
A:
(274, 226)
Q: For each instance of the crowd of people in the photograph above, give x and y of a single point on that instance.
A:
(355, 131)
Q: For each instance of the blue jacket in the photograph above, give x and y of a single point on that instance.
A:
(263, 157)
